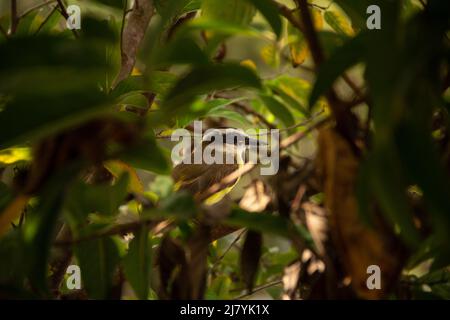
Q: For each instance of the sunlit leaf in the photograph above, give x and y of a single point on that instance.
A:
(203, 79)
(13, 155)
(270, 55)
(338, 22)
(278, 109)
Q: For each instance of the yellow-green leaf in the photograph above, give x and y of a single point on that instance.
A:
(270, 55)
(298, 50)
(339, 23)
(13, 155)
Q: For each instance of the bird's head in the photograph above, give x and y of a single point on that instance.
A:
(232, 140)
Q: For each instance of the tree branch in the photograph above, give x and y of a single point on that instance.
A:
(345, 122)
(260, 288)
(66, 16)
(121, 229)
(133, 33)
(14, 17)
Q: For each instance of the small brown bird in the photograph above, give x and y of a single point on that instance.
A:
(198, 178)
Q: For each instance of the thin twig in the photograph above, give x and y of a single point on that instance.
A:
(250, 111)
(289, 141)
(260, 288)
(46, 19)
(303, 123)
(14, 17)
(66, 16)
(345, 123)
(122, 27)
(122, 229)
(238, 237)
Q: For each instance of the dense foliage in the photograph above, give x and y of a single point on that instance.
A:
(85, 168)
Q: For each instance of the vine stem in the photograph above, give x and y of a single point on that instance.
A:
(63, 11)
(14, 17)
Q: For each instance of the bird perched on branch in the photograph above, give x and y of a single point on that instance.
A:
(225, 144)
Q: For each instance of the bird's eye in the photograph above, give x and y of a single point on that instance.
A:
(235, 140)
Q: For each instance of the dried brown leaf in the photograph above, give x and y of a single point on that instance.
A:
(358, 245)
(291, 277)
(256, 197)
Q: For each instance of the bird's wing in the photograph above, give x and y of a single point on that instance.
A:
(197, 178)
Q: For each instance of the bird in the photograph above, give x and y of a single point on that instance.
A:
(197, 178)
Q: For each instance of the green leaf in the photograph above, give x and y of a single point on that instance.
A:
(171, 8)
(210, 108)
(292, 90)
(298, 47)
(441, 276)
(338, 23)
(137, 263)
(261, 222)
(182, 50)
(342, 59)
(159, 82)
(223, 112)
(50, 63)
(28, 24)
(12, 268)
(270, 11)
(278, 109)
(98, 260)
(54, 114)
(52, 21)
(271, 55)
(388, 185)
(203, 79)
(39, 229)
(221, 28)
(231, 11)
(356, 10)
(102, 31)
(147, 155)
(428, 173)
(331, 41)
(180, 205)
(250, 257)
(54, 79)
(162, 186)
(118, 4)
(137, 100)
(102, 199)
